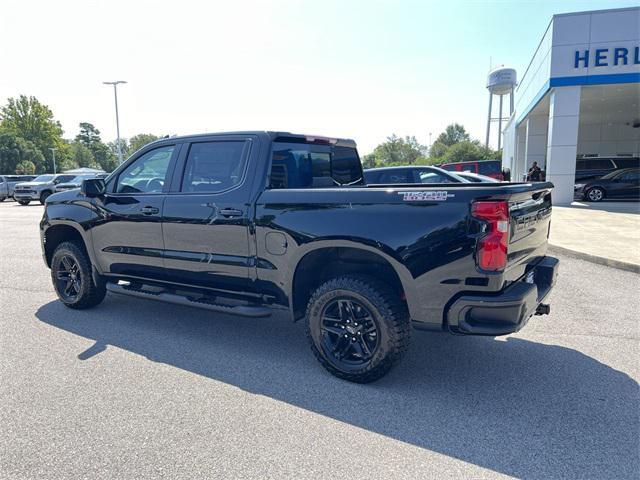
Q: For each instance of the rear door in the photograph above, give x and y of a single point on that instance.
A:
(206, 214)
(128, 241)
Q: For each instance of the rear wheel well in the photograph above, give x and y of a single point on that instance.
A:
(58, 234)
(323, 264)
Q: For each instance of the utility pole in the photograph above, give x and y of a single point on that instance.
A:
(115, 95)
(53, 151)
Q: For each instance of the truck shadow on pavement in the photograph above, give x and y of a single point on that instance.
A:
(517, 407)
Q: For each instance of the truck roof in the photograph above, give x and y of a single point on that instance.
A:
(274, 136)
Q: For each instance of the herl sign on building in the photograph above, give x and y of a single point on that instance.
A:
(578, 98)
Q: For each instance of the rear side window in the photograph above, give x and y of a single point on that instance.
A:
(301, 165)
(394, 176)
(595, 164)
(630, 162)
(213, 167)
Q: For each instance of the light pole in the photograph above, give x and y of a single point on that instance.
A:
(115, 94)
(53, 151)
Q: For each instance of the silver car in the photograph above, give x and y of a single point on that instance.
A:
(8, 183)
(40, 188)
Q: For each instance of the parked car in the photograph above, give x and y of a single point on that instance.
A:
(410, 174)
(40, 188)
(76, 182)
(257, 222)
(620, 184)
(8, 183)
(596, 167)
(490, 168)
(476, 178)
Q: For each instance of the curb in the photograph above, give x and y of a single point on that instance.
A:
(609, 262)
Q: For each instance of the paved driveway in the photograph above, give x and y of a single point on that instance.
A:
(137, 389)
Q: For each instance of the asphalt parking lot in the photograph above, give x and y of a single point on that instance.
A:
(138, 389)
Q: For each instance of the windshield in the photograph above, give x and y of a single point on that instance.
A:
(44, 178)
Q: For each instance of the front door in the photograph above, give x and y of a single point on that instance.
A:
(206, 215)
(628, 184)
(128, 241)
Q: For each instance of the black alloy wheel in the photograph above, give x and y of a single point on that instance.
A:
(68, 278)
(44, 195)
(350, 333)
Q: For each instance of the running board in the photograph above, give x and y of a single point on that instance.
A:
(241, 310)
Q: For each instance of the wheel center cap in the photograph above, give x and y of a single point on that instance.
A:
(351, 329)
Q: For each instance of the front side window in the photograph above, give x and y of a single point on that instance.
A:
(213, 167)
(147, 174)
(63, 179)
(630, 176)
(302, 165)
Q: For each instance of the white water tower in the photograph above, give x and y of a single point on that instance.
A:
(501, 81)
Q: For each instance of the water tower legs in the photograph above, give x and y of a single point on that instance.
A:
(489, 120)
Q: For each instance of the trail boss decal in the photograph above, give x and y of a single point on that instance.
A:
(434, 196)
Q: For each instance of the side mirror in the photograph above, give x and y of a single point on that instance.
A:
(93, 187)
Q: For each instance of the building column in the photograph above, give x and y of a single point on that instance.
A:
(562, 148)
(521, 141)
(535, 141)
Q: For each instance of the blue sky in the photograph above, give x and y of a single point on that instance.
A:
(359, 69)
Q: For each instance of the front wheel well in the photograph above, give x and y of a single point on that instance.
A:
(57, 234)
(320, 265)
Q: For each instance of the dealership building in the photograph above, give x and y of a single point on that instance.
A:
(579, 97)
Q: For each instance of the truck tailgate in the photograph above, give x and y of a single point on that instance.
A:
(530, 217)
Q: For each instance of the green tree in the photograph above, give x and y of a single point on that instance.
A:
(103, 157)
(369, 160)
(82, 156)
(467, 151)
(453, 134)
(26, 117)
(25, 167)
(138, 141)
(15, 149)
(438, 149)
(398, 151)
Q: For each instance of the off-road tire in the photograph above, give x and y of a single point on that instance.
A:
(24, 202)
(387, 309)
(90, 293)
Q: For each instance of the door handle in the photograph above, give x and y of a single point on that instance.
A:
(230, 212)
(148, 210)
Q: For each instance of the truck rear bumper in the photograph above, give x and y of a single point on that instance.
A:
(507, 311)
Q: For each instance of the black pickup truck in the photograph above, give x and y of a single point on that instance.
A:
(251, 222)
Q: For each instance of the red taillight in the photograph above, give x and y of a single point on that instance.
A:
(492, 247)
